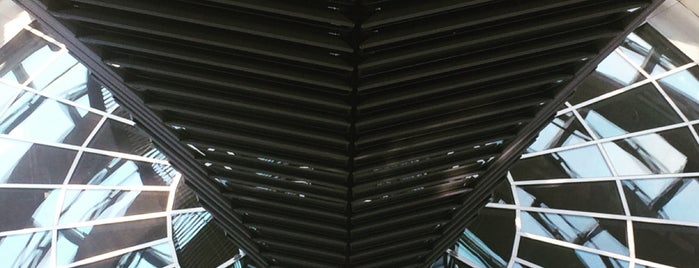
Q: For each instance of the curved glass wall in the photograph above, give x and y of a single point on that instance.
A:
(613, 180)
(80, 185)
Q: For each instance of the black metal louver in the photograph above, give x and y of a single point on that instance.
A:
(341, 133)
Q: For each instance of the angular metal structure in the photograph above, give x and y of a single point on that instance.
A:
(341, 133)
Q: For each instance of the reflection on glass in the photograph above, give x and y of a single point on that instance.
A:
(617, 69)
(26, 250)
(31, 115)
(26, 208)
(105, 170)
(635, 110)
(84, 242)
(562, 131)
(651, 51)
(28, 163)
(488, 241)
(669, 198)
(583, 162)
(549, 255)
(503, 194)
(667, 244)
(87, 205)
(671, 151)
(119, 137)
(608, 235)
(590, 196)
(194, 233)
(612, 73)
(683, 89)
(153, 257)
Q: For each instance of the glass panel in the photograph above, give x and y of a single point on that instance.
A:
(683, 89)
(590, 196)
(667, 244)
(652, 52)
(503, 194)
(635, 110)
(60, 66)
(548, 255)
(87, 205)
(7, 95)
(608, 235)
(105, 170)
(119, 137)
(669, 198)
(195, 233)
(564, 130)
(32, 115)
(84, 242)
(153, 257)
(26, 208)
(489, 238)
(26, 250)
(184, 197)
(612, 73)
(581, 162)
(28, 163)
(671, 151)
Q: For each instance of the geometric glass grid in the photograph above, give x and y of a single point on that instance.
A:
(80, 185)
(613, 180)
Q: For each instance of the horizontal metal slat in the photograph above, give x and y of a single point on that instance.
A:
(224, 39)
(229, 20)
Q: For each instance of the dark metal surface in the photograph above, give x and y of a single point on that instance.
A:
(341, 133)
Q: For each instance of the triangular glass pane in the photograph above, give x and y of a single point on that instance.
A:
(119, 137)
(563, 131)
(194, 233)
